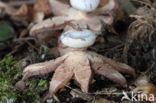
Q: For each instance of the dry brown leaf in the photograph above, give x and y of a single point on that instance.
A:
(120, 14)
(22, 11)
(27, 13)
(23, 33)
(112, 30)
(6, 8)
(42, 6)
(148, 89)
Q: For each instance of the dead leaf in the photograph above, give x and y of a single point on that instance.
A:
(112, 30)
(21, 12)
(148, 89)
(23, 33)
(6, 8)
(120, 14)
(42, 6)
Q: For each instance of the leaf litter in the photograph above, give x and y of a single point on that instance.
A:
(138, 50)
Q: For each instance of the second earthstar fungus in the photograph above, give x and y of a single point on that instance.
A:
(75, 17)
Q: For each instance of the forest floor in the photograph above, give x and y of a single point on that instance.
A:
(131, 40)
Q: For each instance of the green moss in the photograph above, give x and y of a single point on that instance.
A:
(10, 73)
(35, 87)
(42, 83)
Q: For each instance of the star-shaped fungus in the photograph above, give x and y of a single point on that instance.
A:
(77, 62)
(78, 14)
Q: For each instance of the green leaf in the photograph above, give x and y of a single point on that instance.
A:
(6, 32)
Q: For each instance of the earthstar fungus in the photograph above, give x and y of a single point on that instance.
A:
(78, 17)
(78, 62)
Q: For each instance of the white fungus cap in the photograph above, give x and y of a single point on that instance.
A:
(85, 5)
(78, 39)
